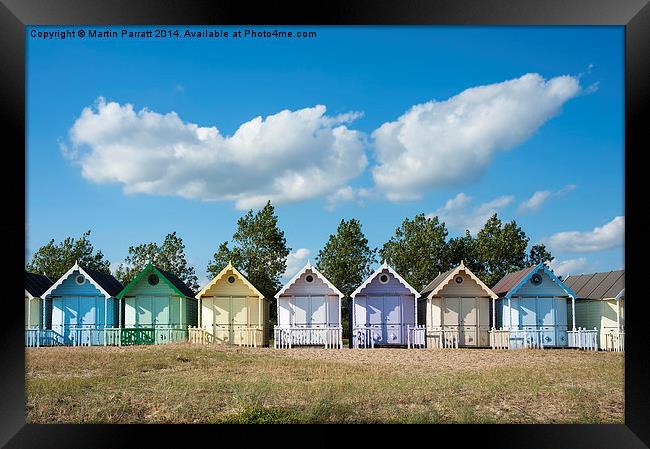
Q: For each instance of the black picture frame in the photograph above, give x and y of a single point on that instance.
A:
(634, 15)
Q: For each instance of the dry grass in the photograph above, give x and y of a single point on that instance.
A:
(191, 384)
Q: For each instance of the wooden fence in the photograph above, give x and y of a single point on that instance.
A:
(287, 337)
(442, 338)
(583, 339)
(236, 335)
(35, 338)
(614, 341)
(363, 337)
(415, 336)
(517, 339)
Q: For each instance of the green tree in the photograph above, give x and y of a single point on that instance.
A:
(54, 259)
(346, 260)
(464, 248)
(170, 256)
(417, 250)
(501, 248)
(259, 250)
(539, 253)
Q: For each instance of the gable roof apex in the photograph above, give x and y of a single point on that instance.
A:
(390, 269)
(219, 275)
(314, 270)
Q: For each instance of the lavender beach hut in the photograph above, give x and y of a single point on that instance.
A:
(384, 307)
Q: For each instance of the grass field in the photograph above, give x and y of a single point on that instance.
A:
(221, 384)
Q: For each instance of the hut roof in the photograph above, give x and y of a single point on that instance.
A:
(511, 282)
(171, 279)
(443, 278)
(36, 284)
(221, 274)
(390, 269)
(602, 285)
(105, 283)
(314, 270)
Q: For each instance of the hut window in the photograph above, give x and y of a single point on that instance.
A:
(536, 279)
(231, 279)
(459, 279)
(153, 279)
(383, 278)
(309, 278)
(80, 279)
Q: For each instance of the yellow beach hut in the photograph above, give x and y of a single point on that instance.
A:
(232, 310)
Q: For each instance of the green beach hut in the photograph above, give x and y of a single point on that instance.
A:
(156, 308)
(600, 305)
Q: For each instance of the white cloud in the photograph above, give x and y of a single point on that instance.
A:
(348, 194)
(288, 156)
(534, 203)
(453, 141)
(570, 266)
(458, 214)
(295, 261)
(600, 238)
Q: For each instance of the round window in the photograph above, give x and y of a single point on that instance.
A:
(153, 279)
(80, 279)
(309, 278)
(536, 279)
(383, 278)
(231, 279)
(459, 279)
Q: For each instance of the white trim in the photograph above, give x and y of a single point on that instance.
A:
(379, 270)
(235, 271)
(29, 295)
(67, 274)
(308, 266)
(452, 276)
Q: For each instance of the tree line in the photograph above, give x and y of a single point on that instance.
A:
(418, 250)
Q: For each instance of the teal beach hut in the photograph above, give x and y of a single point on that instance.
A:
(81, 308)
(156, 307)
(531, 309)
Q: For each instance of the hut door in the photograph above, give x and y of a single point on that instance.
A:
(546, 320)
(301, 311)
(451, 319)
(374, 307)
(317, 311)
(392, 322)
(238, 317)
(528, 313)
(468, 322)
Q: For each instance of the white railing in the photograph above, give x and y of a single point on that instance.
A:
(239, 335)
(287, 337)
(517, 339)
(500, 339)
(415, 336)
(35, 338)
(583, 339)
(364, 336)
(442, 338)
(200, 336)
(615, 341)
(526, 339)
(166, 335)
(97, 336)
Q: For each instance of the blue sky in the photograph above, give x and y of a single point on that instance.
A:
(118, 171)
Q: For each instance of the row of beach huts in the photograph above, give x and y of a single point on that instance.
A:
(530, 308)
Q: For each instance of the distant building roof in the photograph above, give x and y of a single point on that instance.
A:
(510, 280)
(37, 284)
(603, 285)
